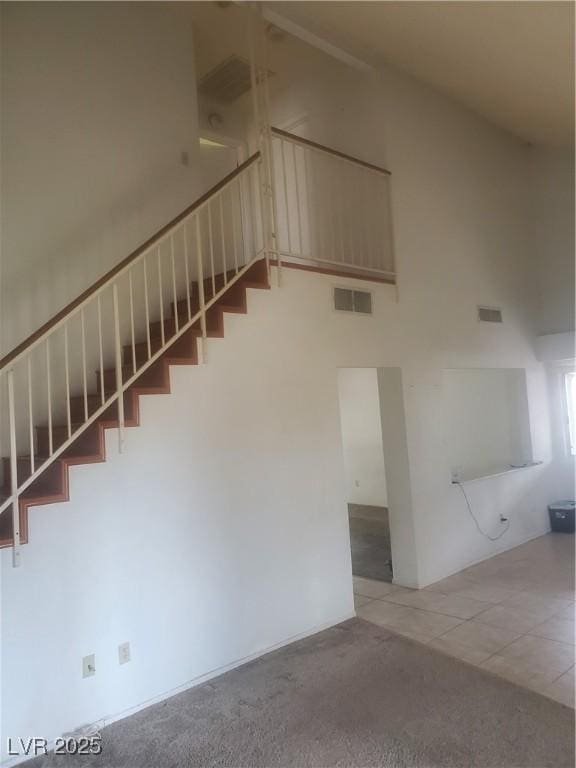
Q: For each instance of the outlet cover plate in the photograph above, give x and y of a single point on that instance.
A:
(89, 665)
(123, 653)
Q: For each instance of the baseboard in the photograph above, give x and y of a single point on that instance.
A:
(483, 559)
(193, 683)
(407, 584)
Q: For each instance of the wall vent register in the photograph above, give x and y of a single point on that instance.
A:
(228, 81)
(489, 315)
(349, 300)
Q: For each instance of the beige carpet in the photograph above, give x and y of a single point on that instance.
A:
(353, 696)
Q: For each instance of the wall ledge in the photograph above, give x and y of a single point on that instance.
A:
(556, 347)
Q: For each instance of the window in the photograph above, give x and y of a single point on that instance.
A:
(570, 382)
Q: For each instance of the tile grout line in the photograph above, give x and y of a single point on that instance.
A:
(472, 618)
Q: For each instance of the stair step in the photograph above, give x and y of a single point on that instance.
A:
(141, 350)
(213, 324)
(50, 481)
(5, 519)
(151, 377)
(87, 443)
(234, 300)
(77, 410)
(23, 468)
(179, 348)
(59, 436)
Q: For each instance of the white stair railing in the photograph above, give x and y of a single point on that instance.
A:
(331, 209)
(180, 272)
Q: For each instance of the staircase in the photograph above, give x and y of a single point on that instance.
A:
(52, 485)
(155, 309)
(282, 202)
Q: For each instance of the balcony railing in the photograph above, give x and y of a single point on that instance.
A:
(331, 209)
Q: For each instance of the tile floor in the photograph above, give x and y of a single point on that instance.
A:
(512, 614)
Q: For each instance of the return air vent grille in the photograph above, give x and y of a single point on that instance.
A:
(228, 81)
(489, 315)
(349, 300)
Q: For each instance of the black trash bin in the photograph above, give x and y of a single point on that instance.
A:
(562, 516)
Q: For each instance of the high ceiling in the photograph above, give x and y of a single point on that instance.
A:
(510, 61)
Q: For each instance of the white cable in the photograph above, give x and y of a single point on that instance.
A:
(492, 538)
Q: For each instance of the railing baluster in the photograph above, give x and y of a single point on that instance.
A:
(119, 383)
(49, 398)
(352, 219)
(100, 351)
(84, 376)
(372, 238)
(270, 171)
(174, 292)
(286, 196)
(234, 216)
(201, 298)
(30, 415)
(340, 220)
(147, 309)
(13, 472)
(211, 243)
(132, 335)
(160, 289)
(327, 209)
(67, 380)
(187, 271)
(391, 263)
(242, 214)
(314, 223)
(297, 186)
(252, 217)
(223, 239)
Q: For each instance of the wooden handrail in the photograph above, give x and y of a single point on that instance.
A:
(124, 263)
(329, 150)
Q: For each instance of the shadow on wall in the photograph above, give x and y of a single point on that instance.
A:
(39, 289)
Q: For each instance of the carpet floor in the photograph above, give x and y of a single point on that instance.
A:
(354, 695)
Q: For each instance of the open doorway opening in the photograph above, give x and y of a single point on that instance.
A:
(366, 489)
(218, 157)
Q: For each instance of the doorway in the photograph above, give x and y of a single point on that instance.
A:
(366, 491)
(218, 157)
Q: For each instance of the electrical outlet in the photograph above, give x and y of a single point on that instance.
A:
(185, 158)
(89, 665)
(357, 483)
(123, 653)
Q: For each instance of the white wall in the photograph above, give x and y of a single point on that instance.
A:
(462, 205)
(252, 546)
(250, 444)
(98, 103)
(486, 418)
(362, 436)
(553, 227)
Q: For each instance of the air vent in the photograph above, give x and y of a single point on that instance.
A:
(489, 315)
(348, 300)
(228, 81)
